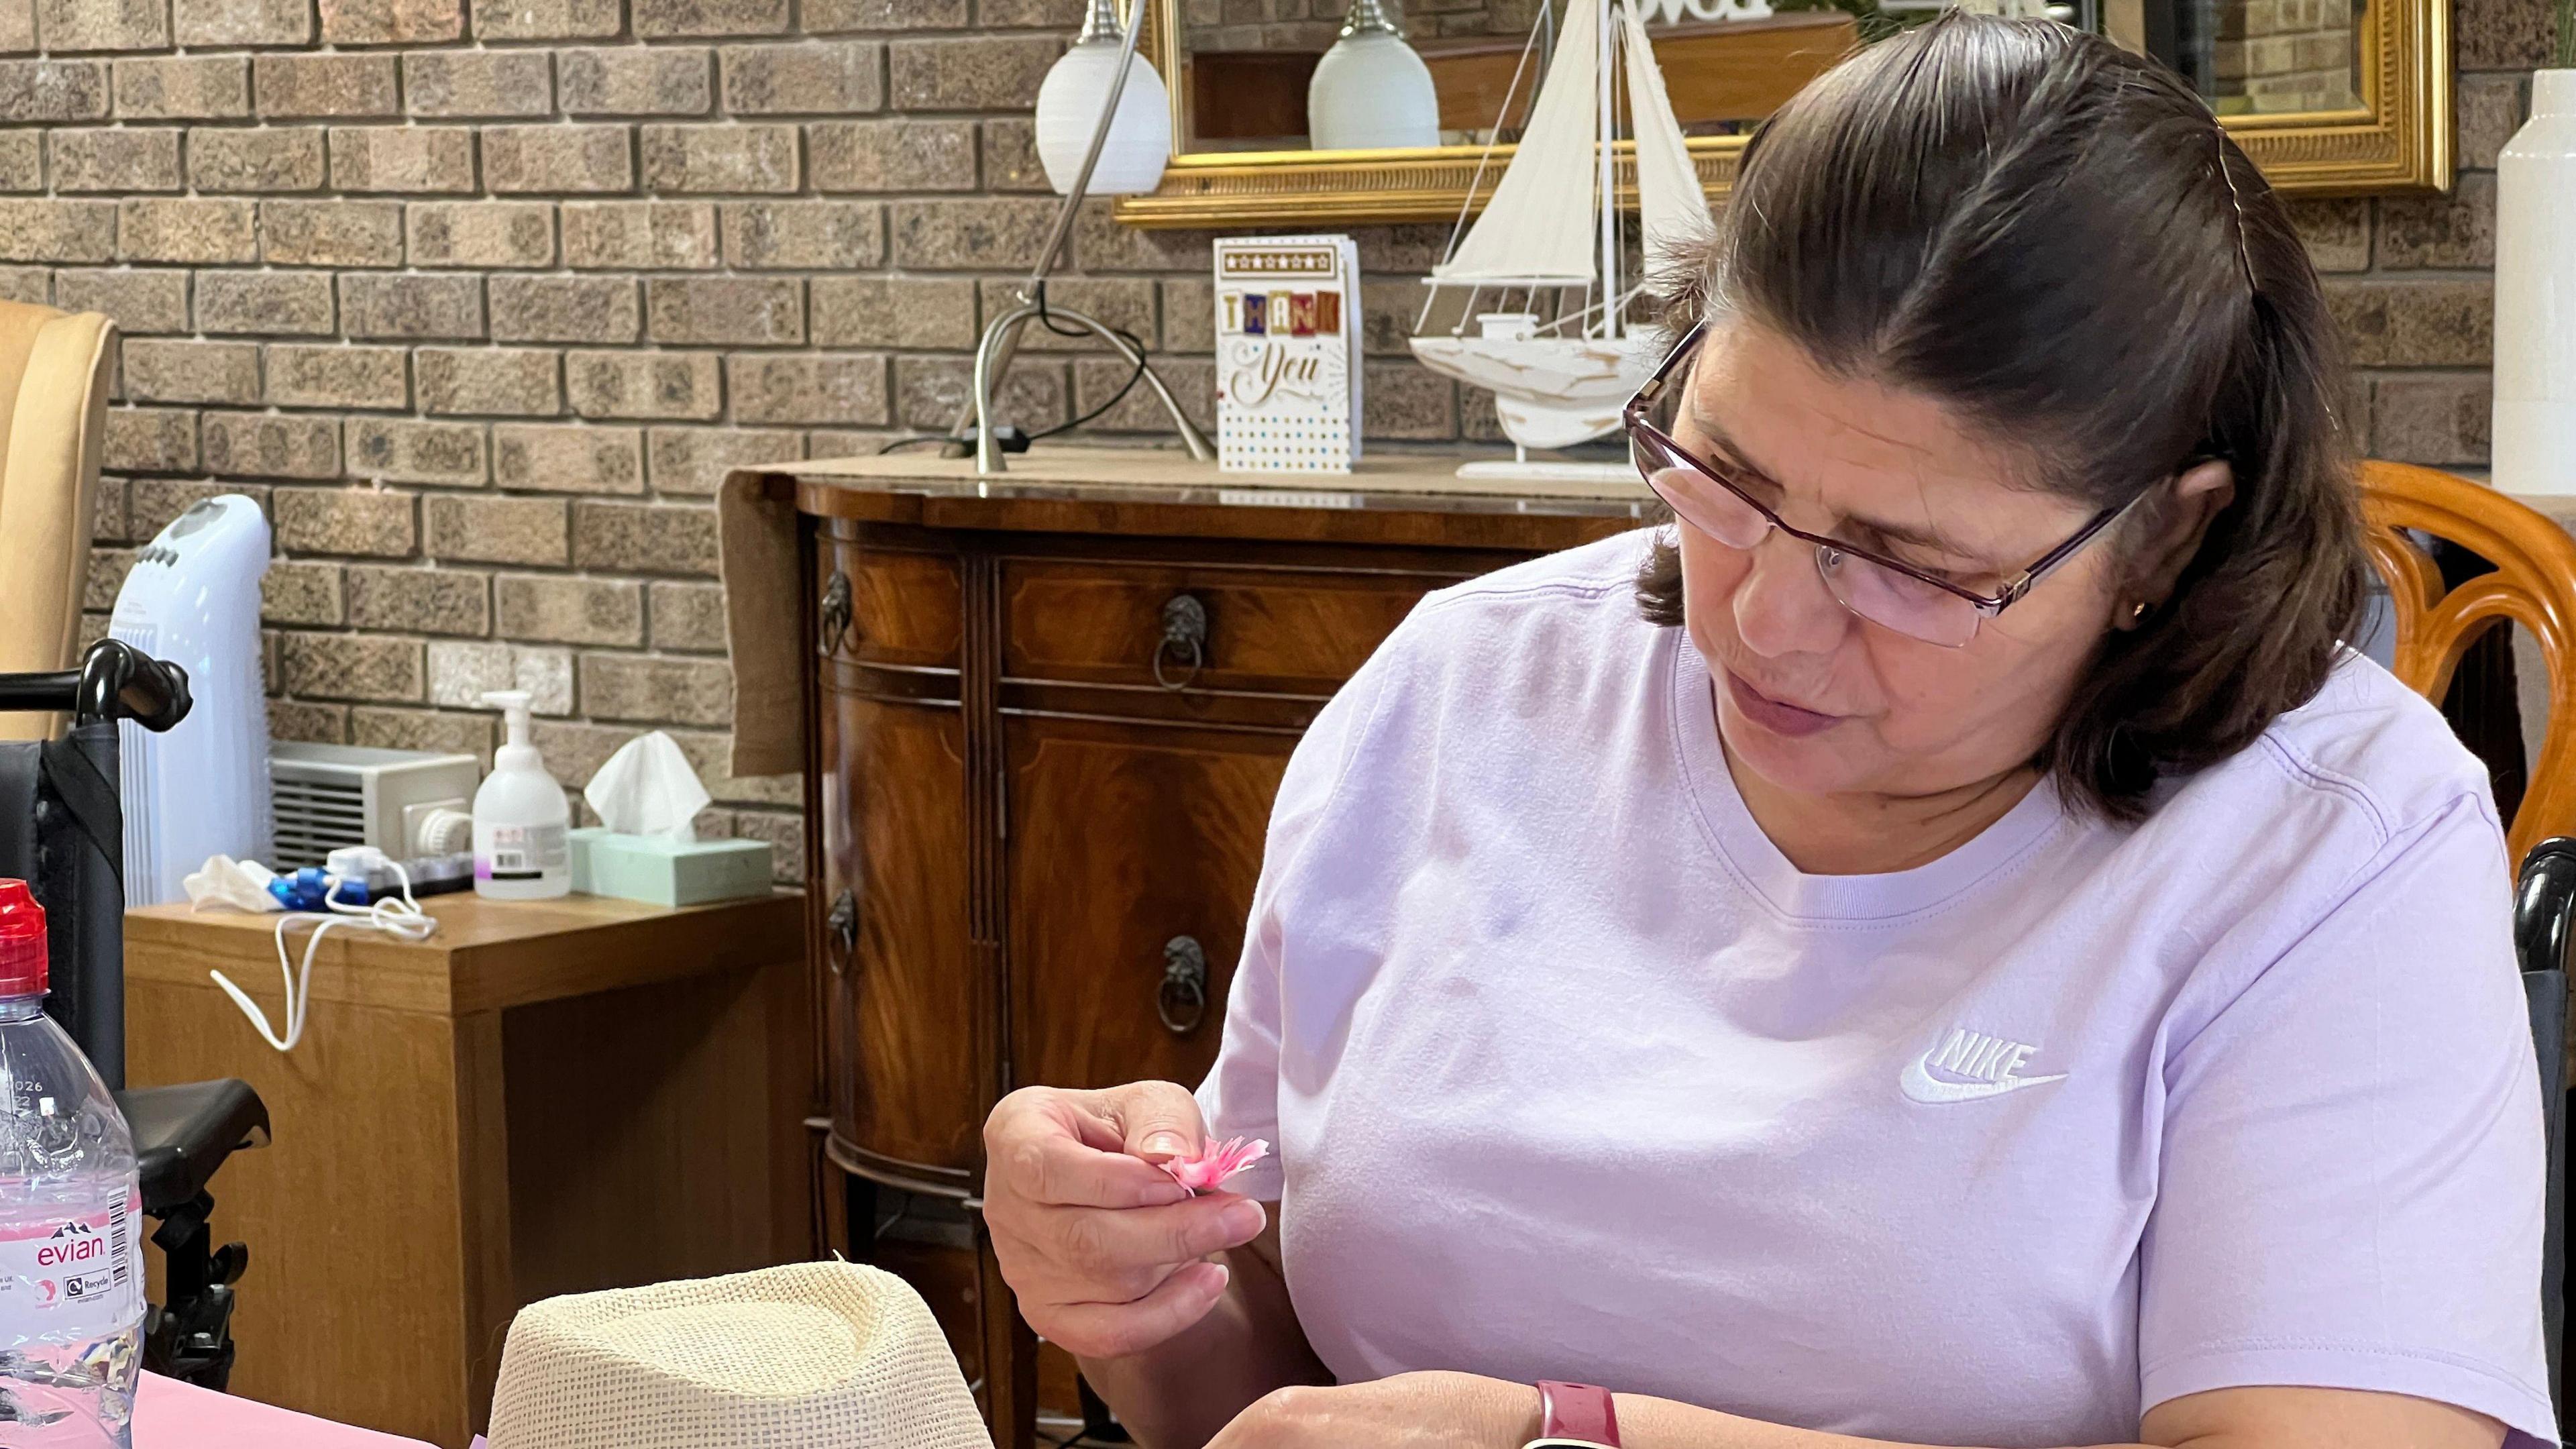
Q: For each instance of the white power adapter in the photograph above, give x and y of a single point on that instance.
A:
(370, 870)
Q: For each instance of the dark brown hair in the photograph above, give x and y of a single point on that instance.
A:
(2057, 240)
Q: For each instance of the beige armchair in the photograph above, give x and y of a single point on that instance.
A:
(53, 422)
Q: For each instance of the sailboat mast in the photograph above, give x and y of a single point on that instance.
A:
(1609, 173)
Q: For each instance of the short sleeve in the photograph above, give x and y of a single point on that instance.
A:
(2350, 1192)
(1240, 1097)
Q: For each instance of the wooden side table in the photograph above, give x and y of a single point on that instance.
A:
(545, 1097)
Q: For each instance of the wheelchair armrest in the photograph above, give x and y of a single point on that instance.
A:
(183, 1133)
(2544, 905)
(2544, 917)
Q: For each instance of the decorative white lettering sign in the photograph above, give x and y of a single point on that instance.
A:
(1674, 12)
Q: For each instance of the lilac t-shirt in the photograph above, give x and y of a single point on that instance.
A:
(1573, 1075)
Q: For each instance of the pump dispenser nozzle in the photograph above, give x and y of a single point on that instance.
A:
(513, 705)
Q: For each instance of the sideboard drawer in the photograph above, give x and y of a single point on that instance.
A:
(1198, 626)
(888, 606)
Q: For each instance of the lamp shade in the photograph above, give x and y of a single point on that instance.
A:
(1069, 105)
(1371, 89)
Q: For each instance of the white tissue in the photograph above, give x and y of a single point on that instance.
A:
(647, 788)
(241, 884)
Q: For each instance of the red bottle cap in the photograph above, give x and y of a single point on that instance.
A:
(22, 941)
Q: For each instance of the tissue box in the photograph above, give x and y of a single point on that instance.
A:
(668, 872)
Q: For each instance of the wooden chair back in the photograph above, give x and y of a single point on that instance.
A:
(54, 370)
(2533, 585)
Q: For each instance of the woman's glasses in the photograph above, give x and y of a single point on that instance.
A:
(1912, 602)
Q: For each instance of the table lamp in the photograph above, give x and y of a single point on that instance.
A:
(1104, 124)
(1371, 89)
(1079, 89)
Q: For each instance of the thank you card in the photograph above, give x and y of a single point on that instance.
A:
(1287, 354)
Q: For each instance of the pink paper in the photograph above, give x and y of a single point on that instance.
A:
(1216, 1162)
(171, 1415)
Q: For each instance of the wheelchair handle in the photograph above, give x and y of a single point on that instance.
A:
(116, 681)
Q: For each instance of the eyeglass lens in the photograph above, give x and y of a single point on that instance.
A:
(1908, 605)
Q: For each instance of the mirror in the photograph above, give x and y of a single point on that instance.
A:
(1251, 82)
(1295, 112)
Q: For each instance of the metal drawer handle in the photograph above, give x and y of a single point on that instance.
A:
(836, 611)
(1185, 632)
(843, 927)
(1182, 1001)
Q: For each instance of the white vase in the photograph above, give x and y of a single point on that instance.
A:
(2535, 295)
(1069, 103)
(1371, 89)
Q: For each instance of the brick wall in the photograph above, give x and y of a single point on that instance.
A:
(480, 297)
(2411, 279)
(2284, 55)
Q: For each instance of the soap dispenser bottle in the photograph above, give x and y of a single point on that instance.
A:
(522, 823)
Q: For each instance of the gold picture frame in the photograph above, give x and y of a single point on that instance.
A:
(2398, 140)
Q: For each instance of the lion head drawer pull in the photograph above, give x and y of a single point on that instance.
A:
(843, 928)
(836, 611)
(1182, 1003)
(1183, 647)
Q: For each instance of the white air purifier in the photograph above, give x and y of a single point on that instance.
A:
(331, 797)
(202, 788)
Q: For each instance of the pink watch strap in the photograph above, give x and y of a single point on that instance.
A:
(1577, 1411)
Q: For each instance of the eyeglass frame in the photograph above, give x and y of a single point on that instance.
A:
(1633, 416)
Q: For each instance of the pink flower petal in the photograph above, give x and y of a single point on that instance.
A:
(1216, 1162)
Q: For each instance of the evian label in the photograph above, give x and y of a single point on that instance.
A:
(75, 1277)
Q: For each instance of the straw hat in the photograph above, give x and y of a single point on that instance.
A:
(809, 1356)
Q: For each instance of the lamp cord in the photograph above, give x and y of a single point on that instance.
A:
(1038, 295)
(1046, 319)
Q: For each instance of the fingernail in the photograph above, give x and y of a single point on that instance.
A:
(1166, 1142)
(1243, 1219)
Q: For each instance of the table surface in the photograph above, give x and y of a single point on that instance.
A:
(1409, 481)
(486, 954)
(171, 1415)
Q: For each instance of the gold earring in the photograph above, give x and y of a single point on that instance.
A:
(2138, 612)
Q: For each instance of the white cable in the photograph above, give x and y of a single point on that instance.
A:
(400, 918)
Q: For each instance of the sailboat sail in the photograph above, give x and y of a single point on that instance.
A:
(1562, 384)
(1534, 231)
(1672, 209)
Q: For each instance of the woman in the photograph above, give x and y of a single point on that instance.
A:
(1996, 973)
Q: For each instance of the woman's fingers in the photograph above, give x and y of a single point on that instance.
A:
(1160, 1119)
(1114, 1330)
(1090, 1240)
(1107, 1254)
(1039, 1148)
(1094, 1255)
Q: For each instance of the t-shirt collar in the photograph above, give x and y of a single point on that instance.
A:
(1876, 899)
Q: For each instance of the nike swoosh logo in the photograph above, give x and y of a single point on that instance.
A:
(1922, 1086)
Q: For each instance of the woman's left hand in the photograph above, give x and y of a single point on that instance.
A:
(1408, 1411)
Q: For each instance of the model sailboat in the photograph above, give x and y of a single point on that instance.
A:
(1552, 232)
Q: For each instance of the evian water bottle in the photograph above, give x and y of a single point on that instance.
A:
(71, 1273)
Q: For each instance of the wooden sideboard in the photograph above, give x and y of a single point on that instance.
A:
(1045, 718)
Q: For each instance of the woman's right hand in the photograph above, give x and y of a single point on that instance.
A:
(1108, 1255)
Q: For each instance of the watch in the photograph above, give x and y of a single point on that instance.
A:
(1575, 1416)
